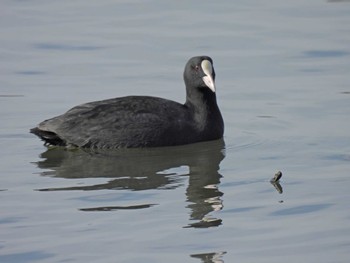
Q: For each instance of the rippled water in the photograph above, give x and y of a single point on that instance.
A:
(283, 88)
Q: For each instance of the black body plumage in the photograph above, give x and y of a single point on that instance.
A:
(143, 121)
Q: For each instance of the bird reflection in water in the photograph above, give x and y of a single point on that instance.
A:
(215, 257)
(143, 169)
(204, 196)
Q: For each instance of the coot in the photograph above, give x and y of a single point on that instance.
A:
(143, 121)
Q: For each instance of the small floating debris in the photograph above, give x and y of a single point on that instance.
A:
(275, 182)
(277, 177)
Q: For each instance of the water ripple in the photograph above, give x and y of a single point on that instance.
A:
(325, 53)
(112, 208)
(302, 209)
(65, 47)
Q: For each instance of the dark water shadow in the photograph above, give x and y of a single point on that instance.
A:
(143, 169)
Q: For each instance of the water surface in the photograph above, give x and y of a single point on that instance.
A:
(283, 88)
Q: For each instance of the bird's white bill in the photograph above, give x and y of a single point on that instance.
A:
(208, 78)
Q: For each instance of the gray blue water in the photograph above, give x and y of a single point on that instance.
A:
(283, 86)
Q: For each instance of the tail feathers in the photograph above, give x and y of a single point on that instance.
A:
(48, 137)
